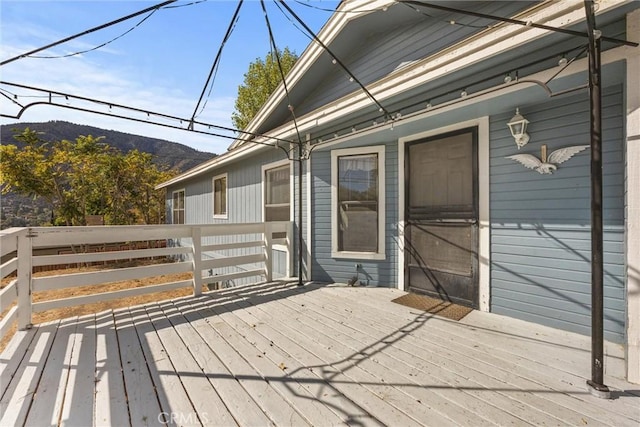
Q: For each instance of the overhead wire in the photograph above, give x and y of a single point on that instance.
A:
(334, 56)
(214, 67)
(513, 21)
(185, 5)
(276, 54)
(89, 31)
(95, 47)
(367, 122)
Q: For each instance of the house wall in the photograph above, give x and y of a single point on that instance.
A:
(540, 224)
(244, 205)
(383, 51)
(373, 272)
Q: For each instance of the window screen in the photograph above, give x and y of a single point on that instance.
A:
(220, 196)
(358, 203)
(277, 194)
(178, 207)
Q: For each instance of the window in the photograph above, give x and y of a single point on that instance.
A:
(177, 207)
(358, 203)
(277, 193)
(220, 196)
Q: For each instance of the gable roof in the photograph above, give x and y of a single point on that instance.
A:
(370, 21)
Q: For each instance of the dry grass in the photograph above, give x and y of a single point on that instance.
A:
(62, 313)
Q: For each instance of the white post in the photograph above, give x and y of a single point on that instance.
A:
(268, 251)
(196, 242)
(24, 279)
(290, 249)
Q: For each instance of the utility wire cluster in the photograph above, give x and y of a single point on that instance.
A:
(382, 116)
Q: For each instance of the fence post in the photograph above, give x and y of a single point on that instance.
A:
(196, 241)
(268, 251)
(24, 279)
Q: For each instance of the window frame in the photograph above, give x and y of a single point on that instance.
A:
(380, 253)
(224, 215)
(265, 168)
(184, 206)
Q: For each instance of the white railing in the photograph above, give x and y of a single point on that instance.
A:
(209, 252)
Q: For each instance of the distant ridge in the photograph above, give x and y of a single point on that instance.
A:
(173, 154)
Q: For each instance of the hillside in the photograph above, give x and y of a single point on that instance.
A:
(20, 211)
(173, 154)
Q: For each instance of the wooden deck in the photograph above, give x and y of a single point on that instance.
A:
(275, 354)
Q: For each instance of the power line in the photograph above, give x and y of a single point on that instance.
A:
(513, 21)
(275, 53)
(335, 58)
(89, 31)
(216, 61)
(96, 47)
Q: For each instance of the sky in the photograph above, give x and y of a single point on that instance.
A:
(160, 65)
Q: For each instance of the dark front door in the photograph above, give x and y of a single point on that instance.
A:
(441, 246)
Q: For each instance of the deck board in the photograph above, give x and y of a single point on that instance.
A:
(528, 360)
(50, 392)
(274, 405)
(276, 354)
(395, 355)
(142, 401)
(78, 405)
(110, 399)
(18, 395)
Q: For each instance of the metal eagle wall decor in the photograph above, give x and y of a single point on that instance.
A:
(547, 165)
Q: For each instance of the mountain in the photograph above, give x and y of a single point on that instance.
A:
(173, 154)
(20, 211)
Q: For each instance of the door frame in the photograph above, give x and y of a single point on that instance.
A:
(484, 256)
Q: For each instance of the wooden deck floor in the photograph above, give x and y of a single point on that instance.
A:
(275, 354)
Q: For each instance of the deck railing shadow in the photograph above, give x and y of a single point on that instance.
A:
(330, 376)
(251, 317)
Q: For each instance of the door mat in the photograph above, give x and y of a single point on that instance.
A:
(434, 306)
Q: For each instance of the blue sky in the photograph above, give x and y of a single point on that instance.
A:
(160, 66)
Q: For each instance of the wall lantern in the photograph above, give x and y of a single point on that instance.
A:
(518, 127)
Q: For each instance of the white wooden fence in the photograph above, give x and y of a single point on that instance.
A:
(186, 245)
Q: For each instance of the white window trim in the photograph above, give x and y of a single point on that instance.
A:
(380, 253)
(182, 190)
(226, 196)
(265, 168)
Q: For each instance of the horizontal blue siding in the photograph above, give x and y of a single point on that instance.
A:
(382, 273)
(244, 205)
(540, 224)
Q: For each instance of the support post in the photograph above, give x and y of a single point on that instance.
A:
(24, 273)
(300, 251)
(596, 384)
(268, 251)
(196, 242)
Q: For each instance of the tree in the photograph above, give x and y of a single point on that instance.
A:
(262, 78)
(84, 177)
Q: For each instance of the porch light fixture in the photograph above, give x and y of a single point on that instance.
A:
(518, 127)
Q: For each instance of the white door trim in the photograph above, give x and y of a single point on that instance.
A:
(484, 254)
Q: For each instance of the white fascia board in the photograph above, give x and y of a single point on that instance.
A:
(608, 57)
(333, 27)
(214, 163)
(475, 49)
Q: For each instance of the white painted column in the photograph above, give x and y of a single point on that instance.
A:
(633, 201)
